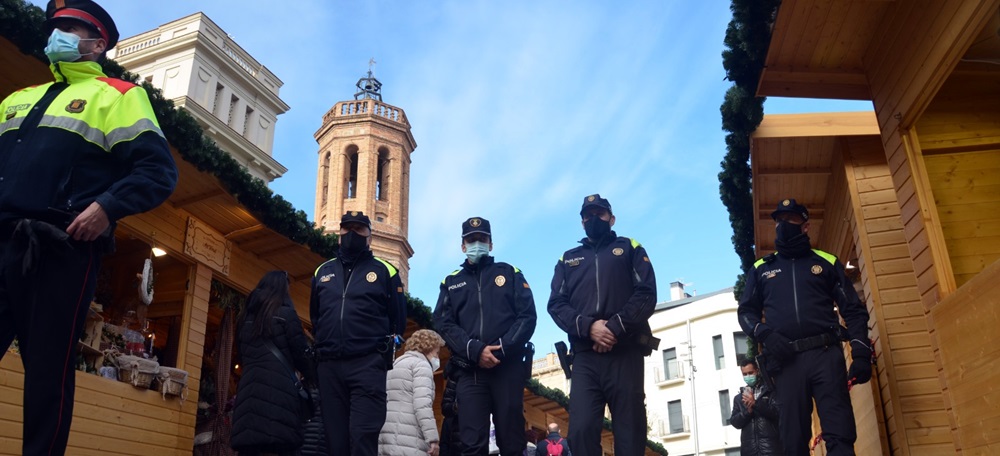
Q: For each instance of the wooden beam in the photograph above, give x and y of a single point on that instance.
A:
(817, 124)
(198, 198)
(252, 229)
(794, 172)
(813, 83)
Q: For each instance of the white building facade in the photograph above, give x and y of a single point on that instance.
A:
(202, 69)
(692, 379)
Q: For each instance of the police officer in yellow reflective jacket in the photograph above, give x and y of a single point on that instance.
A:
(789, 305)
(357, 308)
(603, 293)
(76, 155)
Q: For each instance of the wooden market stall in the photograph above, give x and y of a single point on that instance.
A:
(909, 193)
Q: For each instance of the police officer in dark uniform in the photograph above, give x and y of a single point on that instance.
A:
(77, 155)
(788, 304)
(486, 314)
(357, 309)
(603, 293)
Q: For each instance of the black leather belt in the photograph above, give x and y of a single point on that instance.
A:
(810, 343)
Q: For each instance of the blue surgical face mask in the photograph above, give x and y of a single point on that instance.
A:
(750, 379)
(64, 47)
(476, 250)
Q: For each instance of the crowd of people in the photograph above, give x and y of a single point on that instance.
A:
(90, 152)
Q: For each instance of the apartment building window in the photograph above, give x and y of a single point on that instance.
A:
(246, 122)
(670, 368)
(720, 356)
(725, 406)
(740, 342)
(233, 101)
(676, 416)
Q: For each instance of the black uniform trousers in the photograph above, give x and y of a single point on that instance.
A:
(46, 310)
(500, 391)
(353, 398)
(613, 378)
(821, 374)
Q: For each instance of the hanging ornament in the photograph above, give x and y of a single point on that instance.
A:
(146, 284)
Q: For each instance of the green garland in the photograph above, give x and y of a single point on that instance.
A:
(417, 312)
(20, 23)
(747, 39)
(560, 398)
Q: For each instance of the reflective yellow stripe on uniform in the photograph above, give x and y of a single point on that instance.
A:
(826, 256)
(454, 273)
(316, 272)
(392, 270)
(635, 243)
(757, 263)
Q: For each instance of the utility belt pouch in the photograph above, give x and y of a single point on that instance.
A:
(648, 343)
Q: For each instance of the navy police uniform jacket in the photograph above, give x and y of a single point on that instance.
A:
(353, 314)
(487, 303)
(82, 138)
(796, 297)
(609, 280)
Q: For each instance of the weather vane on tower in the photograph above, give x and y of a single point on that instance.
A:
(369, 87)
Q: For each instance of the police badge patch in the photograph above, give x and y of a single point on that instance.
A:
(500, 280)
(76, 106)
(618, 251)
(816, 269)
(371, 277)
(475, 223)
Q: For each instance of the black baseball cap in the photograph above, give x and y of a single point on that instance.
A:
(791, 206)
(356, 217)
(595, 200)
(85, 11)
(476, 225)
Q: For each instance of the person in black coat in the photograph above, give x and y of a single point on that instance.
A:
(451, 444)
(267, 417)
(756, 413)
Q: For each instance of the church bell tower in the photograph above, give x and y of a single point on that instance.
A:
(364, 165)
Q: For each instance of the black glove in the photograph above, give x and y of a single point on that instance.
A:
(861, 366)
(777, 346)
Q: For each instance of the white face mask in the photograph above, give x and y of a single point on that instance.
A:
(476, 250)
(435, 364)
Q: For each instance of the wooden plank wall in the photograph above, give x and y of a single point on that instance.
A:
(916, 418)
(967, 323)
(905, 71)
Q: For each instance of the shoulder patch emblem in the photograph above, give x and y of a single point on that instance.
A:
(525, 285)
(76, 106)
(618, 251)
(646, 259)
(399, 289)
(816, 269)
(371, 277)
(500, 280)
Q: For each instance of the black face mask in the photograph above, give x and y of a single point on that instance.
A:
(596, 228)
(352, 244)
(787, 230)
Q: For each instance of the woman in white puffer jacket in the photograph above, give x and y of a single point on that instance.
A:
(410, 427)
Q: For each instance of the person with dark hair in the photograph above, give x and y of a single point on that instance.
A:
(358, 311)
(268, 414)
(486, 314)
(756, 414)
(791, 303)
(603, 293)
(77, 154)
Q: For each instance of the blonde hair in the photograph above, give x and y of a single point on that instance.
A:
(423, 341)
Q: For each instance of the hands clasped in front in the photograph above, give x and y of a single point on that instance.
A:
(604, 339)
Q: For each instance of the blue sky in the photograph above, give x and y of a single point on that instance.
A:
(519, 110)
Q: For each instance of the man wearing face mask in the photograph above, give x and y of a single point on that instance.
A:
(357, 308)
(603, 293)
(486, 314)
(789, 305)
(755, 412)
(76, 155)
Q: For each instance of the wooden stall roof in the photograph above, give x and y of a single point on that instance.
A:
(823, 48)
(791, 157)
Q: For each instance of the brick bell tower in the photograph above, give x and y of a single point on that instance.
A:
(364, 165)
